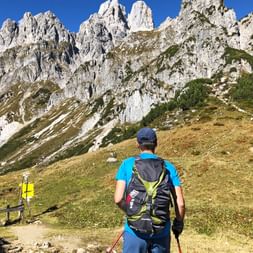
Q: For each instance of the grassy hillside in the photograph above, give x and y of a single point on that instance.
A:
(213, 152)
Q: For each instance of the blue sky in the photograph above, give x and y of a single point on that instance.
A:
(73, 12)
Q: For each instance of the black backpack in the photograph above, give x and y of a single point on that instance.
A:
(148, 196)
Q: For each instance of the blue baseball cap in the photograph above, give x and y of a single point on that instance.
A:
(146, 136)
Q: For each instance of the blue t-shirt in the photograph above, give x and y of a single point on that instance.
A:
(125, 173)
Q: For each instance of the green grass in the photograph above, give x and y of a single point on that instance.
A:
(80, 195)
(42, 96)
(79, 149)
(211, 152)
(108, 109)
(17, 141)
(232, 54)
(212, 158)
(98, 103)
(157, 112)
(82, 187)
(26, 137)
(209, 220)
(6, 234)
(12, 103)
(73, 151)
(171, 51)
(91, 213)
(167, 54)
(120, 133)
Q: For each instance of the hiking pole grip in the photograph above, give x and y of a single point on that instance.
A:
(115, 243)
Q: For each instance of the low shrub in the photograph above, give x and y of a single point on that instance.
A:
(243, 90)
(194, 94)
(158, 111)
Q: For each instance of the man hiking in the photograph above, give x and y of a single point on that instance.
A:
(144, 187)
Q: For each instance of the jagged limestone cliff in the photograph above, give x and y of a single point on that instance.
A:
(61, 93)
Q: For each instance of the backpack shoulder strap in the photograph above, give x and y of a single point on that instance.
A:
(137, 157)
(160, 158)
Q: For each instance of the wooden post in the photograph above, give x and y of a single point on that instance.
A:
(8, 214)
(20, 213)
(27, 199)
(20, 202)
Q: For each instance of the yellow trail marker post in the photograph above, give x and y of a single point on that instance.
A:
(27, 191)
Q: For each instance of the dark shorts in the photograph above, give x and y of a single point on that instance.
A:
(134, 244)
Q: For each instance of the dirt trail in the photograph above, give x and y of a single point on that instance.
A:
(29, 236)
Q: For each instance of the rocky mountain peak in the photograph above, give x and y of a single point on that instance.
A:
(7, 32)
(206, 7)
(114, 17)
(102, 30)
(27, 15)
(112, 11)
(107, 74)
(108, 6)
(210, 13)
(140, 17)
(32, 29)
(44, 26)
(7, 24)
(200, 5)
(246, 33)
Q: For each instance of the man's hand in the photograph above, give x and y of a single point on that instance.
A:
(177, 227)
(122, 205)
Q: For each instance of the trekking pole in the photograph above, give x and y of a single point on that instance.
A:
(109, 250)
(178, 244)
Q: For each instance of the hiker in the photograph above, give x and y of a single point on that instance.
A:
(143, 234)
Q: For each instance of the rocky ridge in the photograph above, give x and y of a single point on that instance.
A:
(140, 18)
(246, 34)
(67, 91)
(33, 29)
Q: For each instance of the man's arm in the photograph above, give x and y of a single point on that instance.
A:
(179, 203)
(178, 222)
(119, 194)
